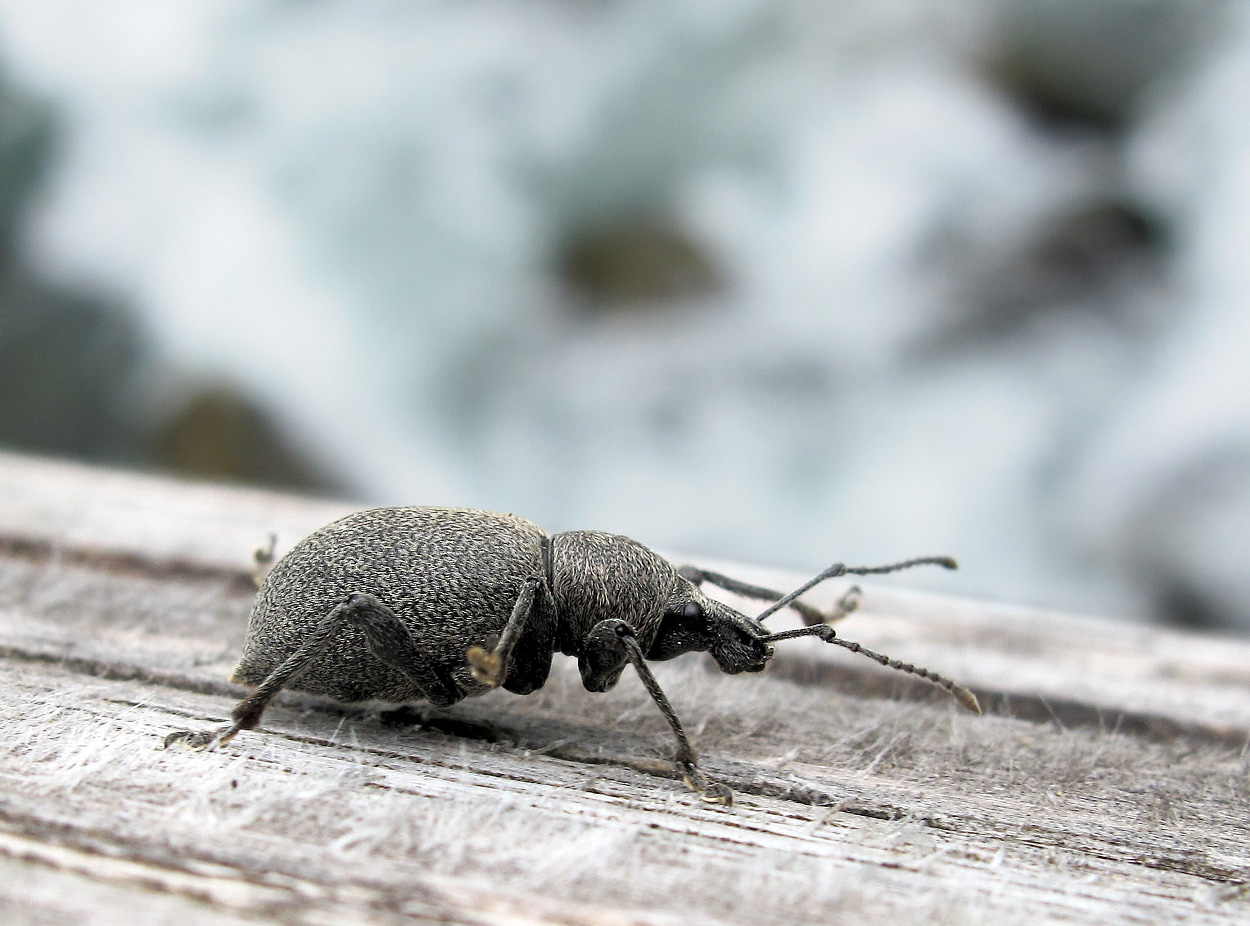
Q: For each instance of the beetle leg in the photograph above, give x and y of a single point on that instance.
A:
(687, 762)
(387, 637)
(811, 614)
(492, 668)
(262, 559)
(246, 713)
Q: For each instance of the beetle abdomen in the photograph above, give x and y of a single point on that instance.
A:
(452, 575)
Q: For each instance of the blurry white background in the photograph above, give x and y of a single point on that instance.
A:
(767, 279)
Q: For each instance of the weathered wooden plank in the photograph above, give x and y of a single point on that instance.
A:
(853, 805)
(1045, 665)
(162, 523)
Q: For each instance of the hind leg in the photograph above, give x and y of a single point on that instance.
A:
(388, 639)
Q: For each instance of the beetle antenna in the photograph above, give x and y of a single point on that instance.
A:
(838, 569)
(966, 698)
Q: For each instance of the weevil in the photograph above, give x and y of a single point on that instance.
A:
(440, 604)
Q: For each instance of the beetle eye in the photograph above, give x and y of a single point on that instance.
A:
(692, 611)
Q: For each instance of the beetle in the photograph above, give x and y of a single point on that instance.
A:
(440, 604)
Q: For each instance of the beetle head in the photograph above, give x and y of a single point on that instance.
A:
(702, 624)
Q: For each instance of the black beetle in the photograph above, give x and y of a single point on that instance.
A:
(399, 604)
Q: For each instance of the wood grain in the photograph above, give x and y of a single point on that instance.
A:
(1109, 781)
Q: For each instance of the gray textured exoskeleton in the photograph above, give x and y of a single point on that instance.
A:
(439, 604)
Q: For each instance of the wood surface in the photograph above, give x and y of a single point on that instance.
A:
(1108, 782)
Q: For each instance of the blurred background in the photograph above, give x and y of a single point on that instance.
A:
(778, 280)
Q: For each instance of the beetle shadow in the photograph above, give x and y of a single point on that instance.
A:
(410, 716)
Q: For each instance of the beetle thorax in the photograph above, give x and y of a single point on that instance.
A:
(597, 576)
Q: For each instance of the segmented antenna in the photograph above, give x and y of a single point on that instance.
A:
(838, 569)
(824, 632)
(966, 698)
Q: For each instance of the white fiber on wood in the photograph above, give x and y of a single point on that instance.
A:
(860, 797)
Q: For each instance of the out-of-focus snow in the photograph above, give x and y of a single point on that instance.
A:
(356, 211)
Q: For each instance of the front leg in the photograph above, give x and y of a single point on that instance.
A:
(605, 650)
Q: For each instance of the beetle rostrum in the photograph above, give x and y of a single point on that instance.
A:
(401, 604)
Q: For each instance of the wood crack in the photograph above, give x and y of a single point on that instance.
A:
(41, 551)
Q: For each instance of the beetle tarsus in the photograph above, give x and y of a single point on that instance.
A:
(487, 667)
(845, 606)
(262, 559)
(492, 668)
(202, 740)
(718, 793)
(194, 739)
(713, 792)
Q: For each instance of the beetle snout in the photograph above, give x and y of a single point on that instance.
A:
(760, 659)
(594, 680)
(739, 653)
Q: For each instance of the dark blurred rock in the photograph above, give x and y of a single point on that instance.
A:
(27, 142)
(1079, 258)
(68, 367)
(1183, 540)
(1081, 248)
(1181, 603)
(68, 360)
(1091, 62)
(73, 365)
(641, 261)
(1096, 260)
(220, 434)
